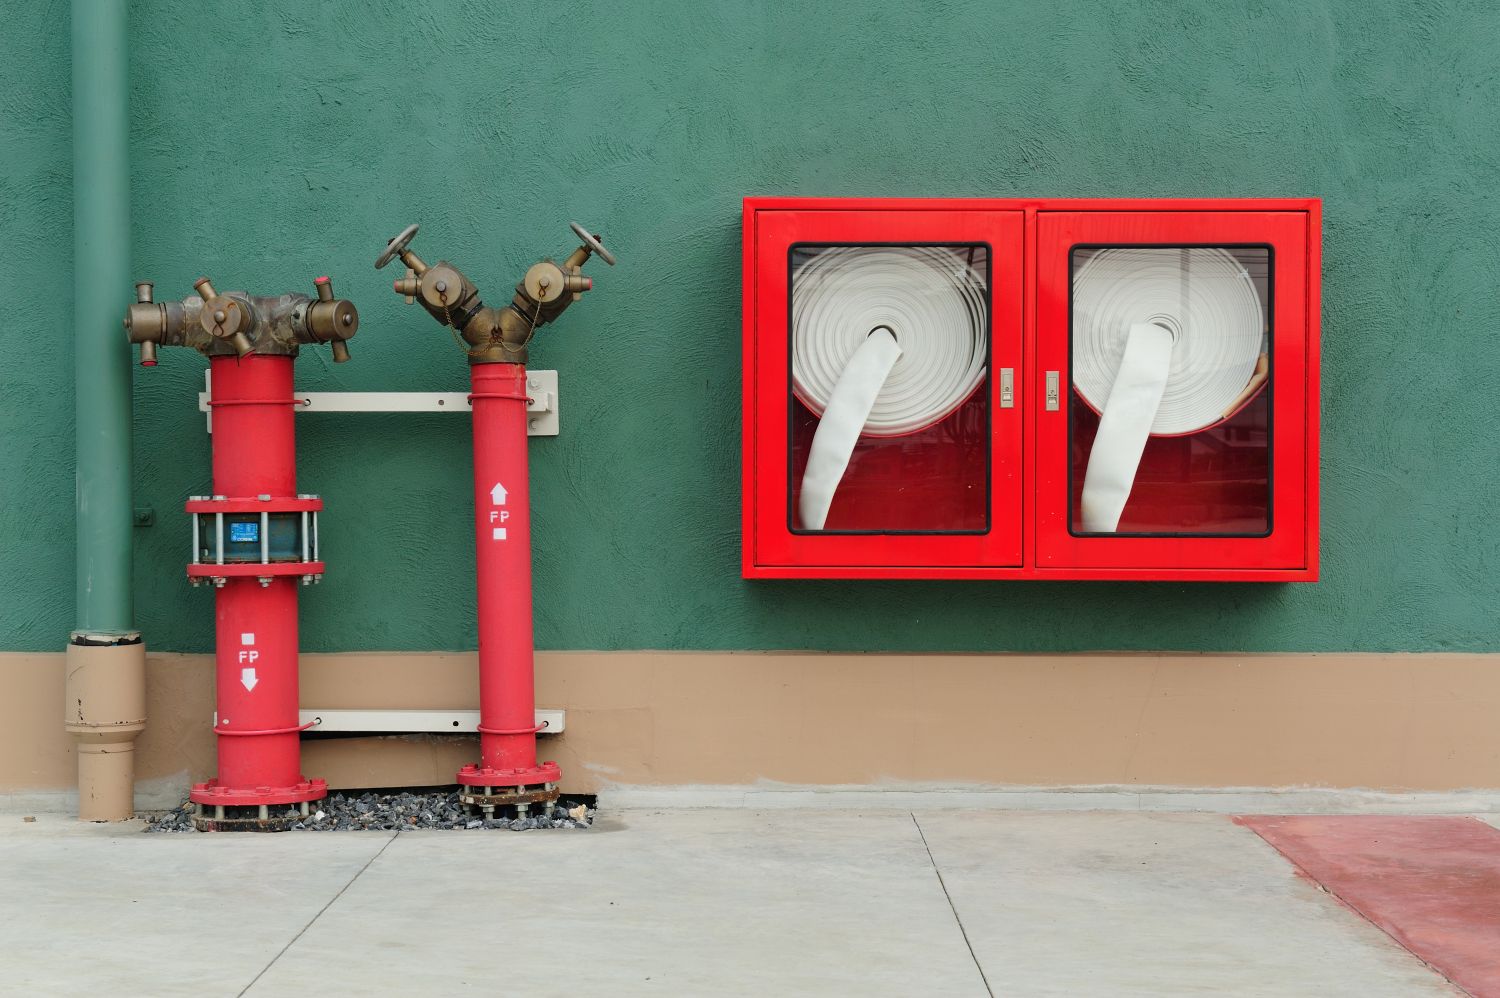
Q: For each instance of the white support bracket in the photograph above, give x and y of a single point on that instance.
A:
(541, 411)
(416, 721)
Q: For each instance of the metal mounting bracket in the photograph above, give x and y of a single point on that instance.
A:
(553, 722)
(542, 412)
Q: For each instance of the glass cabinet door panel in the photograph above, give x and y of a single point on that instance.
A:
(884, 390)
(1169, 416)
(1174, 432)
(890, 416)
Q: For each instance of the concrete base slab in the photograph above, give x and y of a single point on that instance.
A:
(721, 902)
(936, 797)
(101, 909)
(661, 904)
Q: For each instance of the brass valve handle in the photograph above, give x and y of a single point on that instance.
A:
(396, 246)
(591, 241)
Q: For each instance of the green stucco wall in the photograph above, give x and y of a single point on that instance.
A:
(272, 143)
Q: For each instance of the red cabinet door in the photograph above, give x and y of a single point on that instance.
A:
(908, 460)
(1172, 405)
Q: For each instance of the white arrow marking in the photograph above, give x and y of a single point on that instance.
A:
(497, 494)
(247, 678)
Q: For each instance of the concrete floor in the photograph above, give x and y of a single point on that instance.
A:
(710, 902)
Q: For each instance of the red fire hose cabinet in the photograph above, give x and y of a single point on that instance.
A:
(1046, 389)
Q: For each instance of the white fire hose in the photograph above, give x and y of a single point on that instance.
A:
(889, 340)
(886, 341)
(1165, 341)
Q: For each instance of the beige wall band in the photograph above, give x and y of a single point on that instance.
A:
(1382, 722)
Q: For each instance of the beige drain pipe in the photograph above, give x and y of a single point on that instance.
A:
(105, 705)
(106, 710)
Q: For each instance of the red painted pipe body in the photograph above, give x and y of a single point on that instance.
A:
(502, 507)
(254, 455)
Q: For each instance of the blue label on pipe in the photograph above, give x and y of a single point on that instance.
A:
(247, 533)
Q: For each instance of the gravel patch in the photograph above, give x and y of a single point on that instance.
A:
(399, 812)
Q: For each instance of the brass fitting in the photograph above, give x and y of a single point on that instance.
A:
(494, 335)
(225, 317)
(148, 323)
(233, 322)
(331, 320)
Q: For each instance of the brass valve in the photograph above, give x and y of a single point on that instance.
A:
(224, 317)
(494, 334)
(547, 282)
(441, 287)
(331, 320)
(234, 322)
(147, 318)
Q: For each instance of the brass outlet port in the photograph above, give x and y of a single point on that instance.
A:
(331, 319)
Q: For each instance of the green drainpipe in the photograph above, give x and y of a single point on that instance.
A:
(105, 699)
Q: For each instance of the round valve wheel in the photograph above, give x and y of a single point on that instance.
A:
(592, 242)
(396, 246)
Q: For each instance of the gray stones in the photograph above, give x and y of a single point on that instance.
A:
(179, 819)
(400, 812)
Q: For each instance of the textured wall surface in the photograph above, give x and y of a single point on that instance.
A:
(36, 375)
(273, 142)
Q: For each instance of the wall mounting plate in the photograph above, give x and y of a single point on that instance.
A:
(416, 721)
(542, 410)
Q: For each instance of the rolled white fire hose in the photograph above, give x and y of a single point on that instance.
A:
(886, 341)
(1165, 342)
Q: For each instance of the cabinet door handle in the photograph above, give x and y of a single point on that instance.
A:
(1053, 403)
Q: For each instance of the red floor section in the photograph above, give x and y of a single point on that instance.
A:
(1432, 883)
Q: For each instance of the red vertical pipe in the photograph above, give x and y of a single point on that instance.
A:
(502, 534)
(268, 700)
(254, 455)
(255, 444)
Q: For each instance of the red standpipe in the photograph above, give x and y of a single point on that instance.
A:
(502, 521)
(255, 611)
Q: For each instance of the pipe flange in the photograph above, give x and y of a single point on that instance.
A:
(215, 794)
(247, 817)
(240, 570)
(544, 793)
(476, 776)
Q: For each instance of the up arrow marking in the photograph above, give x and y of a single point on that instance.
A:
(247, 678)
(497, 494)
